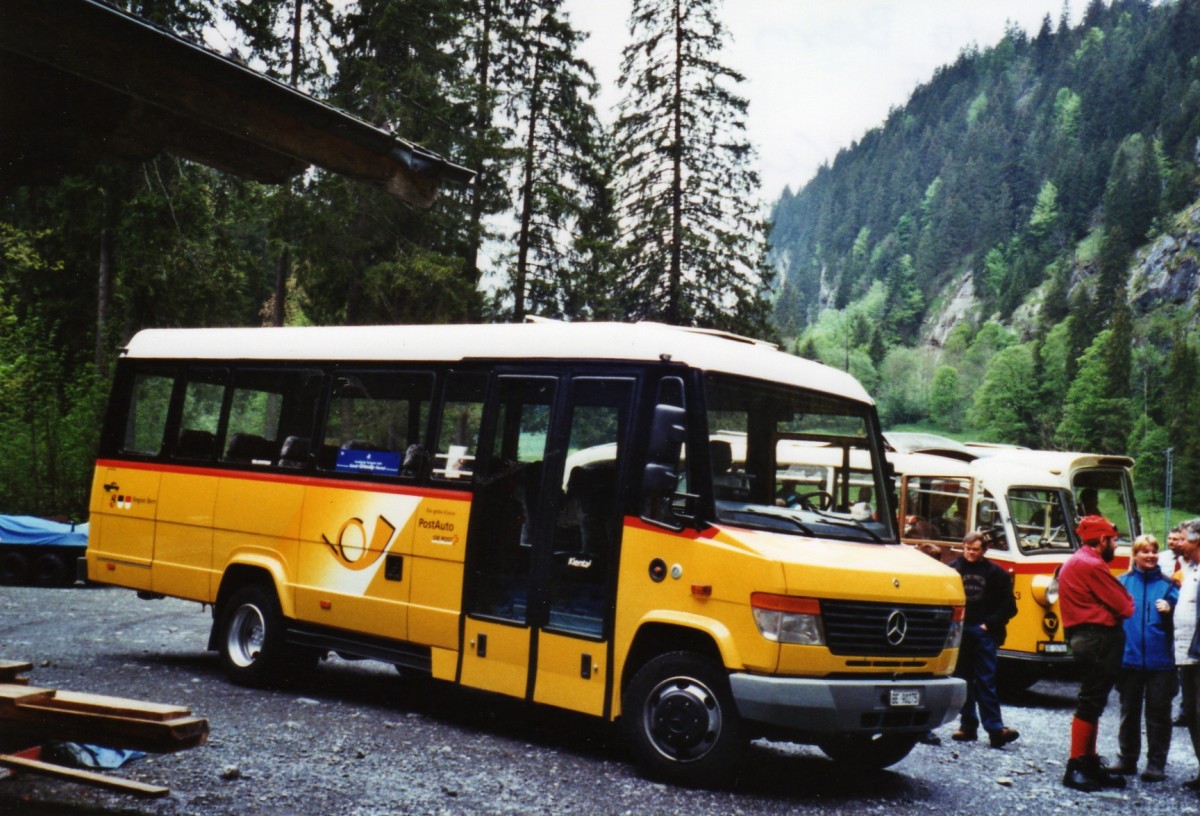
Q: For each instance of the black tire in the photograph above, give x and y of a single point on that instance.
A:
(250, 640)
(874, 751)
(49, 570)
(14, 568)
(680, 722)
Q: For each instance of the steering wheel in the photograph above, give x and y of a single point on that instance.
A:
(824, 500)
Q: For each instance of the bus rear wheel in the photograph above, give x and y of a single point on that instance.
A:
(680, 721)
(251, 640)
(869, 750)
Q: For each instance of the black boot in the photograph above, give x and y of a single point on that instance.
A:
(1079, 775)
(1102, 775)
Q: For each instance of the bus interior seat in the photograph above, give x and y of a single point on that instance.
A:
(727, 485)
(415, 458)
(294, 452)
(589, 509)
(195, 444)
(247, 447)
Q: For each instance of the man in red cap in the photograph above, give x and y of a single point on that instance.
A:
(1093, 605)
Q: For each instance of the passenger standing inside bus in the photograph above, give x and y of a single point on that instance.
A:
(1185, 636)
(1148, 666)
(990, 606)
(1093, 605)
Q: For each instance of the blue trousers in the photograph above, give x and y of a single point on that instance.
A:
(977, 665)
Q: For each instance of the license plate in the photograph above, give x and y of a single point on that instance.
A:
(1055, 648)
(905, 697)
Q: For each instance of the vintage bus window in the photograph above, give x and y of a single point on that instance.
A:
(458, 436)
(935, 508)
(989, 520)
(795, 461)
(376, 423)
(268, 412)
(1040, 519)
(201, 417)
(1106, 492)
(146, 422)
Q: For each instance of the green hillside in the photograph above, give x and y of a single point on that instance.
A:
(1012, 252)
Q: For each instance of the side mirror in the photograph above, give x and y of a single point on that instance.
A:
(668, 430)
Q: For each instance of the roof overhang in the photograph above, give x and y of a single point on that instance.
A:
(81, 80)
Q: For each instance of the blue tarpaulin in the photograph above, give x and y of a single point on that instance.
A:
(34, 530)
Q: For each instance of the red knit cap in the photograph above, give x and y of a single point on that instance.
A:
(1093, 528)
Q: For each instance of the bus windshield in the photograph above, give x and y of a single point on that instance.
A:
(795, 461)
(1039, 516)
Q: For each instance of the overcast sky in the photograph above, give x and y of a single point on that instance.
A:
(820, 73)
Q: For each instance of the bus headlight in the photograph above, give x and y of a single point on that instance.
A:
(1045, 590)
(784, 619)
(954, 634)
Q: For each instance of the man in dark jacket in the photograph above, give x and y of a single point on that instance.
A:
(990, 606)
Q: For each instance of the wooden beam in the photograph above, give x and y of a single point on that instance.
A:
(85, 777)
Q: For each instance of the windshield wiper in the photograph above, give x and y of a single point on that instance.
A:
(752, 511)
(851, 523)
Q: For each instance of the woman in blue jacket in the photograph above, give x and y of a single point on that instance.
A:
(1148, 664)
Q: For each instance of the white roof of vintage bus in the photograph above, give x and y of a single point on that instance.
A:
(541, 340)
(1060, 462)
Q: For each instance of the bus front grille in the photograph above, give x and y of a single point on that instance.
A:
(885, 630)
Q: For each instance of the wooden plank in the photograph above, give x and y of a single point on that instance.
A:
(34, 723)
(15, 693)
(116, 706)
(10, 671)
(85, 777)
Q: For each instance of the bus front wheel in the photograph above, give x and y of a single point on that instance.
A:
(680, 721)
(251, 637)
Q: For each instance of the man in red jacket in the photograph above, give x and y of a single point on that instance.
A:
(1093, 605)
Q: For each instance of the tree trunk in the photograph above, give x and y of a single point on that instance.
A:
(527, 189)
(675, 277)
(482, 118)
(104, 287)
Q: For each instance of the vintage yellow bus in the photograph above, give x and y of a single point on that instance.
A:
(1030, 501)
(549, 511)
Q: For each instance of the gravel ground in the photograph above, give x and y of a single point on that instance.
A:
(357, 739)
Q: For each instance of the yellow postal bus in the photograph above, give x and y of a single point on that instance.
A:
(1030, 501)
(546, 511)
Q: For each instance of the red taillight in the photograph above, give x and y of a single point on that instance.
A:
(785, 603)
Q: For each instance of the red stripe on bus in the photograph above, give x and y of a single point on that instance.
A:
(1048, 568)
(280, 478)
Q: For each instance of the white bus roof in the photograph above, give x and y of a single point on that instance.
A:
(542, 340)
(1060, 462)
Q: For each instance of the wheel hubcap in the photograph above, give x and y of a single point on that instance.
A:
(683, 719)
(246, 633)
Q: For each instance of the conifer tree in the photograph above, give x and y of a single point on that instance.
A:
(692, 234)
(559, 144)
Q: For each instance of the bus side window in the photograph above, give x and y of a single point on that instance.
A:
(201, 416)
(377, 422)
(458, 435)
(146, 419)
(267, 408)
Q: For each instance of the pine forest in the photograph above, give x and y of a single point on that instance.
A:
(1013, 255)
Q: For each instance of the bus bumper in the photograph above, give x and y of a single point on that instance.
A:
(820, 706)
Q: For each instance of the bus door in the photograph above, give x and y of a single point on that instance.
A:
(542, 540)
